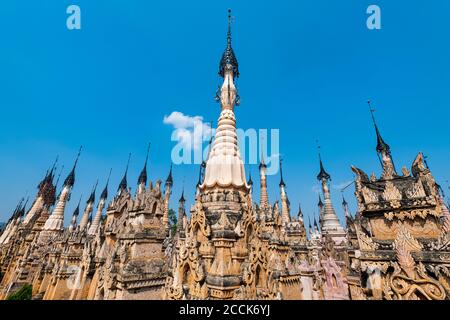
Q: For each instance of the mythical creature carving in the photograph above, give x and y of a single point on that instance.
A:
(409, 280)
(365, 242)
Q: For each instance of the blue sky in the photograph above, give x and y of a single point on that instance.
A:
(307, 68)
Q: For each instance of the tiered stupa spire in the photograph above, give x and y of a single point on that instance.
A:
(142, 180)
(264, 195)
(167, 192)
(89, 206)
(73, 222)
(56, 221)
(224, 166)
(101, 204)
(285, 212)
(45, 196)
(330, 223)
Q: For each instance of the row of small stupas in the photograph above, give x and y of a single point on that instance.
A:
(229, 246)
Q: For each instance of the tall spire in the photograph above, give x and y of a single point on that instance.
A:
(181, 214)
(250, 181)
(320, 203)
(55, 223)
(345, 207)
(70, 180)
(91, 198)
(46, 194)
(228, 57)
(169, 180)
(316, 227)
(383, 150)
(21, 209)
(123, 183)
(322, 173)
(76, 212)
(167, 192)
(329, 222)
(143, 176)
(89, 206)
(300, 212)
(381, 145)
(104, 194)
(264, 196)
(49, 175)
(98, 215)
(16, 210)
(13, 222)
(59, 176)
(21, 213)
(224, 166)
(281, 173)
(182, 199)
(285, 211)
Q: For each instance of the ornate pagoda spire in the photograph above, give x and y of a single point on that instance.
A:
(250, 181)
(228, 60)
(224, 167)
(142, 180)
(76, 212)
(46, 195)
(70, 179)
(300, 213)
(89, 206)
(285, 215)
(56, 220)
(330, 223)
(383, 150)
(345, 207)
(101, 204)
(264, 196)
(167, 193)
(13, 222)
(348, 217)
(17, 211)
(320, 205)
(169, 180)
(182, 199)
(316, 227)
(314, 233)
(123, 183)
(181, 212)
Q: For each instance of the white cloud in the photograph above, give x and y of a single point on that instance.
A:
(190, 131)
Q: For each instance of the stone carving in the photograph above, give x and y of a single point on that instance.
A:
(391, 192)
(369, 195)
